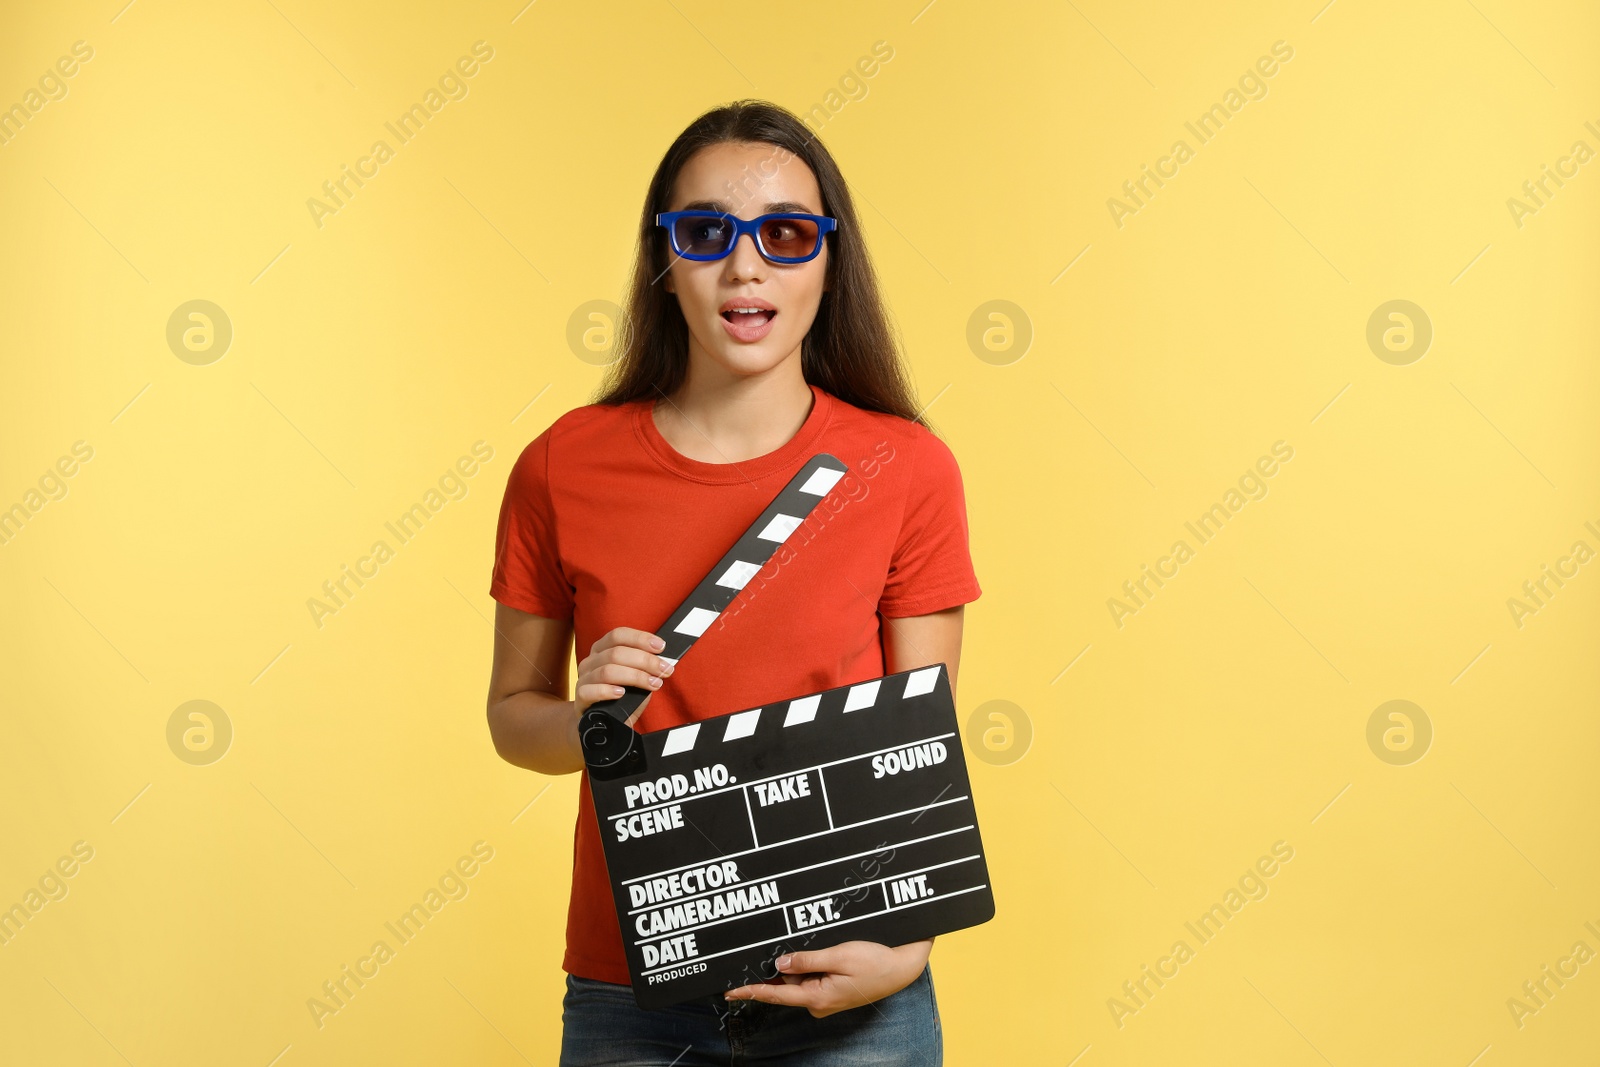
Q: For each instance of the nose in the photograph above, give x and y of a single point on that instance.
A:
(745, 261)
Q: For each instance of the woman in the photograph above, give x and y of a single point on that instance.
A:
(745, 349)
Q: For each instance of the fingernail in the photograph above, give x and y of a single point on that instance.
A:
(617, 689)
(657, 644)
(783, 962)
(655, 683)
(668, 669)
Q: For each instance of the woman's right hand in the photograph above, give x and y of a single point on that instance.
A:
(622, 656)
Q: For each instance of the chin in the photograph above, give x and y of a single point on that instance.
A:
(749, 359)
(746, 361)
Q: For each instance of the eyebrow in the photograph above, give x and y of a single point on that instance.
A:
(775, 206)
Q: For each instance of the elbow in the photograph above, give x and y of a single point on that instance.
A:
(527, 737)
(497, 733)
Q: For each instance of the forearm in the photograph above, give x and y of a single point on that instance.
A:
(538, 731)
(915, 954)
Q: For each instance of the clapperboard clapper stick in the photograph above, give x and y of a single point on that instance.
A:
(610, 746)
(836, 816)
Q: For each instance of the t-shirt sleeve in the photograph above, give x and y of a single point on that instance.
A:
(931, 568)
(527, 561)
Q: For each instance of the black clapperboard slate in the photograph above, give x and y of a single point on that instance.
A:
(843, 815)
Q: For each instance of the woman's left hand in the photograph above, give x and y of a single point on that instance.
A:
(845, 976)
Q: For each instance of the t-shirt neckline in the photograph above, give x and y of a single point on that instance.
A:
(783, 456)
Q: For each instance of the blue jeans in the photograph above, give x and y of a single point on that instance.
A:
(602, 1025)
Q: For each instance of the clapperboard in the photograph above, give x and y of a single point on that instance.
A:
(836, 816)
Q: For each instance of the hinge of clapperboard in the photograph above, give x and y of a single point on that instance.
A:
(611, 748)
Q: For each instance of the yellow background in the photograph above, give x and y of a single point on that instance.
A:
(432, 311)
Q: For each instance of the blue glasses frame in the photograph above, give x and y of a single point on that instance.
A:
(669, 219)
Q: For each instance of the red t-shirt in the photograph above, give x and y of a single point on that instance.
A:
(606, 524)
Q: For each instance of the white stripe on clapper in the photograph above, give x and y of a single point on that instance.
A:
(780, 528)
(921, 682)
(821, 480)
(802, 710)
(680, 739)
(694, 624)
(741, 725)
(738, 574)
(862, 696)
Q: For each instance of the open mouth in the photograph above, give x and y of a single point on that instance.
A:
(757, 317)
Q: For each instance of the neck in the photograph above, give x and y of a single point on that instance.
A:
(720, 417)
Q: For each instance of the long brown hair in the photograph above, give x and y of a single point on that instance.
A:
(850, 351)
